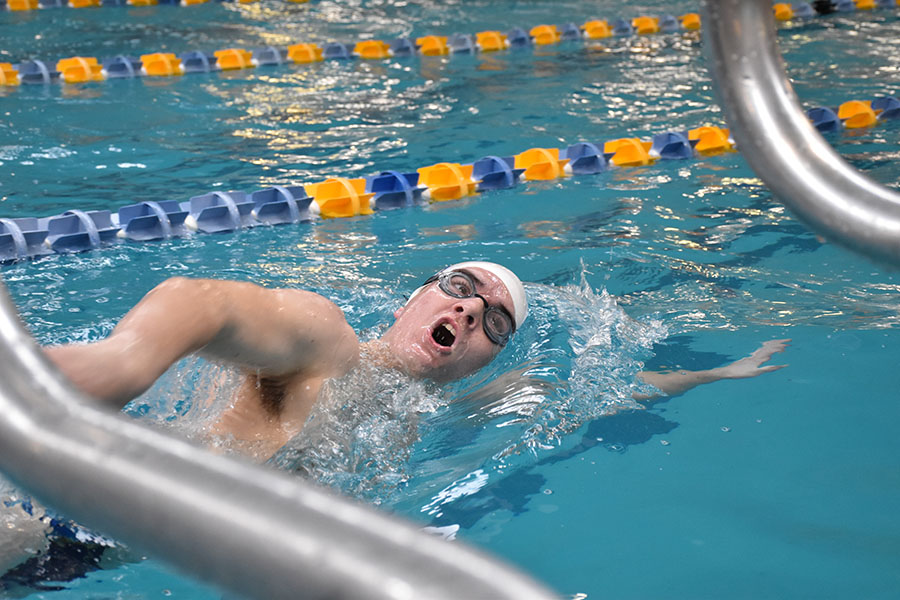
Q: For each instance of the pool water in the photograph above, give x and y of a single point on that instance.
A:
(781, 486)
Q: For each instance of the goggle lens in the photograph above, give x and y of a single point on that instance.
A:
(497, 322)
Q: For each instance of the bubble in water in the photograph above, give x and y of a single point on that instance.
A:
(664, 442)
(726, 429)
(548, 491)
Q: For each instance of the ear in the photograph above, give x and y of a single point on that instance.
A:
(399, 312)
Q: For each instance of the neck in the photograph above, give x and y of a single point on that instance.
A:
(378, 352)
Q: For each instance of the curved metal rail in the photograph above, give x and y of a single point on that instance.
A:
(780, 144)
(251, 530)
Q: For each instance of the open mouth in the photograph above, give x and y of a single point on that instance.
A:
(444, 334)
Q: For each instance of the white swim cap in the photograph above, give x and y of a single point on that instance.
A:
(510, 280)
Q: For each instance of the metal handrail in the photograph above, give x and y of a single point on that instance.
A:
(781, 145)
(260, 533)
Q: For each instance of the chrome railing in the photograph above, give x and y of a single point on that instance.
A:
(778, 141)
(251, 530)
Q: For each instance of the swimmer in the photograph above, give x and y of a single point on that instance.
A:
(286, 343)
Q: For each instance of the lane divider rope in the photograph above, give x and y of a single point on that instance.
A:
(26, 5)
(338, 197)
(81, 69)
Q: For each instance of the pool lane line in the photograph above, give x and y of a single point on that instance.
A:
(339, 197)
(29, 5)
(81, 69)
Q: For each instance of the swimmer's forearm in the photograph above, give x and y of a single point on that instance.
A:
(673, 383)
(171, 321)
(274, 332)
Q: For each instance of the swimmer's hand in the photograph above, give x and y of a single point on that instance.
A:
(750, 366)
(672, 383)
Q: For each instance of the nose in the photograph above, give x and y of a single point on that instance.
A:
(471, 309)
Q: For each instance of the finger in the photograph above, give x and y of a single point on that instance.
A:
(771, 368)
(765, 353)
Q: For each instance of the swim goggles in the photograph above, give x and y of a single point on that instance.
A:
(497, 322)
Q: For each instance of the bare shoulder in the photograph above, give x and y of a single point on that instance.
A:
(320, 325)
(283, 331)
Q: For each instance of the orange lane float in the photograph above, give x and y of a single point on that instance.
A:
(372, 49)
(491, 41)
(162, 64)
(545, 35)
(433, 45)
(645, 25)
(711, 140)
(232, 59)
(629, 152)
(304, 53)
(447, 181)
(596, 30)
(8, 74)
(23, 4)
(80, 69)
(783, 12)
(690, 21)
(856, 114)
(340, 197)
(541, 164)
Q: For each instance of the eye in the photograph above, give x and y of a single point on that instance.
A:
(461, 285)
(498, 322)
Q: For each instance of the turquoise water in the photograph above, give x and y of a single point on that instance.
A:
(781, 486)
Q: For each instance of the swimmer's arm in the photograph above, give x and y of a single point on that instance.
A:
(673, 383)
(275, 332)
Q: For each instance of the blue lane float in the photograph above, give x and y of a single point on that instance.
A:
(585, 159)
(281, 205)
(37, 72)
(496, 173)
(518, 38)
(803, 10)
(152, 221)
(216, 212)
(462, 43)
(196, 61)
(669, 24)
(270, 55)
(219, 211)
(570, 32)
(888, 106)
(673, 145)
(824, 119)
(622, 28)
(336, 50)
(22, 238)
(77, 230)
(403, 47)
(122, 67)
(394, 190)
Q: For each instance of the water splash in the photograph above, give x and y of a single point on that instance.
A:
(361, 432)
(375, 430)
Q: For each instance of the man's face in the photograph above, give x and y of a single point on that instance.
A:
(439, 337)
